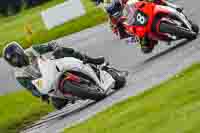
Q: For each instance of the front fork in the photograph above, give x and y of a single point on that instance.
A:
(184, 19)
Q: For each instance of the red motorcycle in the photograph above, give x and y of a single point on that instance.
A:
(157, 22)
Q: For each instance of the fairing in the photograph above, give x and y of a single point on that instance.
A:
(142, 19)
(53, 69)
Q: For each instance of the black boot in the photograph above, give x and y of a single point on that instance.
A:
(147, 45)
(122, 33)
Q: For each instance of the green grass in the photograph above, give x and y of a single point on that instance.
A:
(19, 109)
(172, 107)
(12, 28)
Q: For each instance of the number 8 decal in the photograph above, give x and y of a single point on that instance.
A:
(140, 18)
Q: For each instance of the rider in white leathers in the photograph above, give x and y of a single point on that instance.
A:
(26, 65)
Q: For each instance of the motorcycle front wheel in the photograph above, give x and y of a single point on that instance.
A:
(178, 31)
(120, 79)
(58, 103)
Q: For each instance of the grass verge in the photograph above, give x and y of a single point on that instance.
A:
(171, 107)
(12, 28)
(19, 109)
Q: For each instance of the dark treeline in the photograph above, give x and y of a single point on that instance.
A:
(11, 7)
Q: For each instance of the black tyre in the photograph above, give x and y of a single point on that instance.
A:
(120, 79)
(84, 91)
(195, 28)
(146, 50)
(178, 31)
(59, 103)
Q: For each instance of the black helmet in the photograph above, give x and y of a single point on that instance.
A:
(14, 54)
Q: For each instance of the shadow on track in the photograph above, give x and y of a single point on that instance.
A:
(141, 66)
(182, 43)
(58, 116)
(63, 114)
(73, 112)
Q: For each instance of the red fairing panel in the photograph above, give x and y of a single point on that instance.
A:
(149, 11)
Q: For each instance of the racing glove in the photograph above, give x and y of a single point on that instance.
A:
(45, 98)
(53, 45)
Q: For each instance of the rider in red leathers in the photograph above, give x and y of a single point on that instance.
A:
(114, 8)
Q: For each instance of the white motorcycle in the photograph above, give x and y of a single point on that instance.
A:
(69, 79)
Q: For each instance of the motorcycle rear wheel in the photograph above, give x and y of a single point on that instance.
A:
(84, 91)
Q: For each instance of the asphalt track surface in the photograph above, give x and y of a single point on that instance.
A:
(145, 70)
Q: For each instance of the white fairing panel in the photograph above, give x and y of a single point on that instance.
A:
(77, 65)
(107, 80)
(51, 70)
(178, 14)
(49, 74)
